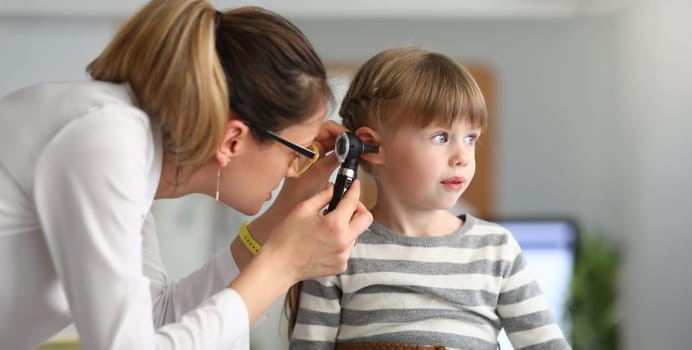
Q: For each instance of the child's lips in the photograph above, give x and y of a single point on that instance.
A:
(454, 180)
(454, 183)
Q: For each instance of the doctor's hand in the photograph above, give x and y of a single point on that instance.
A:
(304, 245)
(313, 244)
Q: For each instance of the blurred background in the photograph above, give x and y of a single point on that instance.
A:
(591, 115)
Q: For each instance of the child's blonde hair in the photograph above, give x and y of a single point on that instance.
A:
(412, 86)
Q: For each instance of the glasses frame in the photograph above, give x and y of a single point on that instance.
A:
(311, 153)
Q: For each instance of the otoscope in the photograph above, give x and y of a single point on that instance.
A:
(348, 149)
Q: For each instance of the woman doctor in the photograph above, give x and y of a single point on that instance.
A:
(183, 100)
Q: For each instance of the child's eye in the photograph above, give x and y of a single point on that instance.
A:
(441, 138)
(471, 139)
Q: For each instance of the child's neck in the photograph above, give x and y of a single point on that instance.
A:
(429, 223)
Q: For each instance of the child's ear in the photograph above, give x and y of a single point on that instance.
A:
(235, 133)
(370, 137)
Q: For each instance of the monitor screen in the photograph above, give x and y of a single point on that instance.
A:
(548, 246)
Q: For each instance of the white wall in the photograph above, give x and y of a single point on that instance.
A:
(594, 115)
(34, 49)
(652, 163)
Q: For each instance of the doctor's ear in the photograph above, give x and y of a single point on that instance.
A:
(370, 137)
(233, 141)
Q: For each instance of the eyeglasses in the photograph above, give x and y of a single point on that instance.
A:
(307, 156)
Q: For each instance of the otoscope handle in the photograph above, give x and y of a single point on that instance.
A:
(343, 182)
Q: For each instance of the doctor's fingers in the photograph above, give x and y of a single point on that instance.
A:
(351, 211)
(327, 134)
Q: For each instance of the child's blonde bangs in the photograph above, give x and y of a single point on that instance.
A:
(438, 92)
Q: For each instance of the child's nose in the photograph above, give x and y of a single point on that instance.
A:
(461, 156)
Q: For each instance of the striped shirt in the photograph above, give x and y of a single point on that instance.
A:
(458, 290)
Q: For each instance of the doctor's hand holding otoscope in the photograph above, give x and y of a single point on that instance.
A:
(348, 149)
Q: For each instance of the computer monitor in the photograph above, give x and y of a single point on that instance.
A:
(549, 247)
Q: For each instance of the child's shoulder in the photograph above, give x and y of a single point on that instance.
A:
(492, 233)
(480, 226)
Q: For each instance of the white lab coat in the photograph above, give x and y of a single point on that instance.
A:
(79, 166)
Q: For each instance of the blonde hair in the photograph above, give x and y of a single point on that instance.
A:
(405, 86)
(166, 53)
(191, 70)
(412, 86)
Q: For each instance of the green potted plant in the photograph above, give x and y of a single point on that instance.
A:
(592, 303)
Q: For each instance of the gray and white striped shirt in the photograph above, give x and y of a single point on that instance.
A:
(456, 290)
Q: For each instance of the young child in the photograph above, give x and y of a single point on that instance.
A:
(421, 276)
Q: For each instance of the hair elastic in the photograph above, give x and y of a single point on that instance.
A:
(217, 19)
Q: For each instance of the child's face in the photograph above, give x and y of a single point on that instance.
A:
(429, 168)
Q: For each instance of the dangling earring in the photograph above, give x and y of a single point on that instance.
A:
(218, 180)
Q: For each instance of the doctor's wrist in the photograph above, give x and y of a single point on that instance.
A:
(246, 245)
(248, 240)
